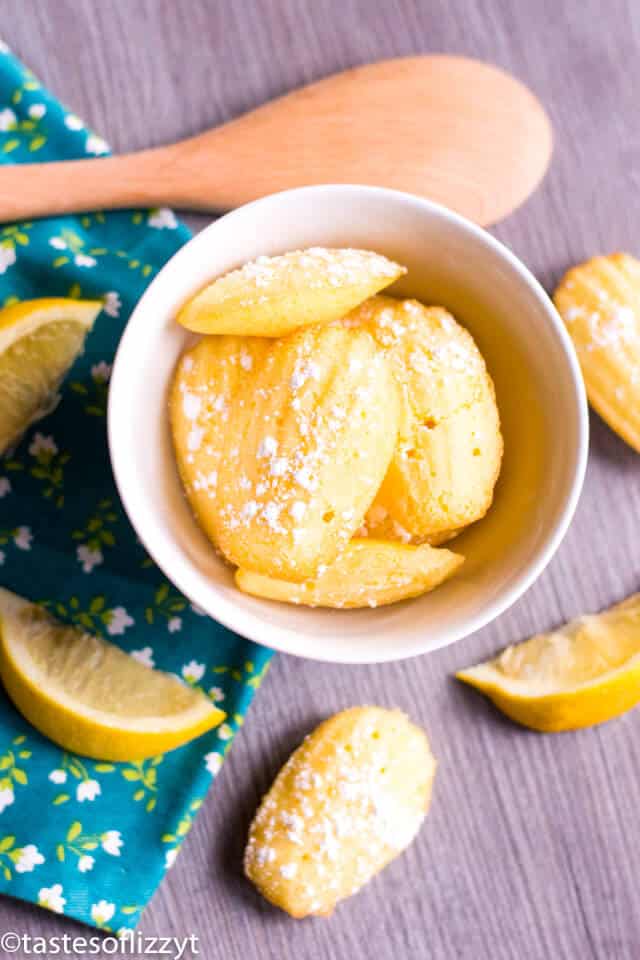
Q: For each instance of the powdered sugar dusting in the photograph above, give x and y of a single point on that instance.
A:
(268, 447)
(191, 405)
(194, 440)
(613, 327)
(304, 269)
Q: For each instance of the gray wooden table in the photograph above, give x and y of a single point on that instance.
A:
(530, 850)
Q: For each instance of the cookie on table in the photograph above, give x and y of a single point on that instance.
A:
(599, 302)
(348, 801)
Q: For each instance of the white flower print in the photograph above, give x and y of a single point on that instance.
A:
(193, 671)
(7, 258)
(170, 858)
(5, 486)
(96, 144)
(112, 304)
(7, 797)
(198, 610)
(51, 897)
(85, 863)
(174, 624)
(42, 444)
(8, 119)
(162, 217)
(72, 122)
(29, 858)
(225, 732)
(101, 371)
(22, 538)
(58, 776)
(102, 911)
(88, 558)
(213, 762)
(88, 790)
(145, 655)
(216, 694)
(82, 260)
(119, 621)
(58, 243)
(111, 842)
(37, 111)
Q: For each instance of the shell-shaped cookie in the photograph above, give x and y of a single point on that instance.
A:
(273, 296)
(210, 381)
(599, 302)
(350, 799)
(447, 458)
(310, 447)
(368, 573)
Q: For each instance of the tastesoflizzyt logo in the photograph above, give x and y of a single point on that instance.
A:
(128, 943)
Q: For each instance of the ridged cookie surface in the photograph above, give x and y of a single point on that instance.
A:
(599, 302)
(210, 381)
(273, 296)
(449, 448)
(306, 443)
(350, 799)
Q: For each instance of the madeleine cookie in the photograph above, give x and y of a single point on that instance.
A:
(447, 458)
(273, 296)
(309, 447)
(210, 381)
(368, 573)
(599, 302)
(350, 799)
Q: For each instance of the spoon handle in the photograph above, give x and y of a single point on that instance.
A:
(149, 178)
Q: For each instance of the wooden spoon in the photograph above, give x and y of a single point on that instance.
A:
(448, 128)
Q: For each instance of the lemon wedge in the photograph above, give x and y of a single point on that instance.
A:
(89, 696)
(39, 340)
(584, 673)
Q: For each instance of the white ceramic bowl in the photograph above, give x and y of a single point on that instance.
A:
(539, 389)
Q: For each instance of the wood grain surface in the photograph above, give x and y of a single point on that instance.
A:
(530, 851)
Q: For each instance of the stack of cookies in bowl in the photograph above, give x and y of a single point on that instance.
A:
(329, 438)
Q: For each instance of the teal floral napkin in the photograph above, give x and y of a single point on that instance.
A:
(86, 839)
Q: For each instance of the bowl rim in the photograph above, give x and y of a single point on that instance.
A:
(285, 639)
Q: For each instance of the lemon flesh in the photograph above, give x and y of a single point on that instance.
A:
(582, 674)
(88, 695)
(39, 340)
